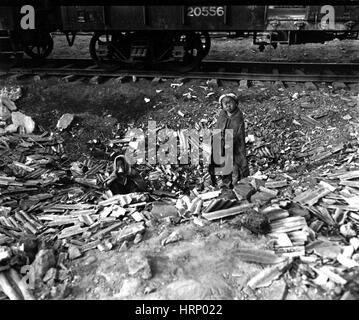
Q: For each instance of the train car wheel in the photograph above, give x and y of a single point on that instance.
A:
(206, 41)
(40, 47)
(193, 52)
(108, 50)
(99, 49)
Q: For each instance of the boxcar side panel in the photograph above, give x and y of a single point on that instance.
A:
(165, 18)
(211, 18)
(6, 18)
(127, 17)
(310, 18)
(83, 18)
(247, 18)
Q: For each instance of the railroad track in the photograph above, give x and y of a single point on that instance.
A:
(75, 69)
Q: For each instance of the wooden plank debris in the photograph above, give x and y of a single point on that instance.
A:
(265, 277)
(288, 224)
(323, 214)
(353, 184)
(270, 191)
(66, 233)
(259, 256)
(345, 176)
(101, 233)
(281, 239)
(129, 232)
(209, 195)
(228, 212)
(276, 184)
(275, 213)
(311, 197)
(292, 251)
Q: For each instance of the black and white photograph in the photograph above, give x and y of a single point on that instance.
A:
(196, 152)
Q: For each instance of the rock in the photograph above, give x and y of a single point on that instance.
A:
(89, 260)
(243, 191)
(339, 85)
(186, 290)
(12, 128)
(5, 113)
(13, 92)
(65, 121)
(5, 101)
(44, 260)
(63, 275)
(207, 288)
(60, 292)
(279, 84)
(348, 230)
(22, 120)
(74, 252)
(212, 83)
(276, 291)
(355, 257)
(138, 238)
(138, 265)
(149, 290)
(124, 246)
(62, 257)
(256, 183)
(105, 246)
(243, 84)
(310, 86)
(325, 249)
(173, 237)
(129, 287)
(348, 251)
(258, 83)
(5, 254)
(354, 242)
(228, 194)
(50, 275)
(29, 245)
(297, 210)
(262, 197)
(162, 211)
(256, 222)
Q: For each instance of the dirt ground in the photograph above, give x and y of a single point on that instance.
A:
(205, 263)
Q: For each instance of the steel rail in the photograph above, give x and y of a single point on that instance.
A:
(209, 69)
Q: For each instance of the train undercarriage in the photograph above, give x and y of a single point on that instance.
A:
(175, 50)
(179, 51)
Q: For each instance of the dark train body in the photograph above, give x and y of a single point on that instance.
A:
(174, 35)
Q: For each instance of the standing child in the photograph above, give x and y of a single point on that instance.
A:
(231, 117)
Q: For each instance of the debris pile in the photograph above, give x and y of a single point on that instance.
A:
(288, 130)
(12, 120)
(53, 210)
(318, 232)
(295, 131)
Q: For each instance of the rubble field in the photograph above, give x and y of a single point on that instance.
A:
(289, 231)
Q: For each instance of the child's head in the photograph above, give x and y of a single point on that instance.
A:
(228, 102)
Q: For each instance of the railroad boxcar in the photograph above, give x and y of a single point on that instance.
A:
(309, 24)
(7, 27)
(178, 36)
(181, 33)
(36, 43)
(175, 35)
